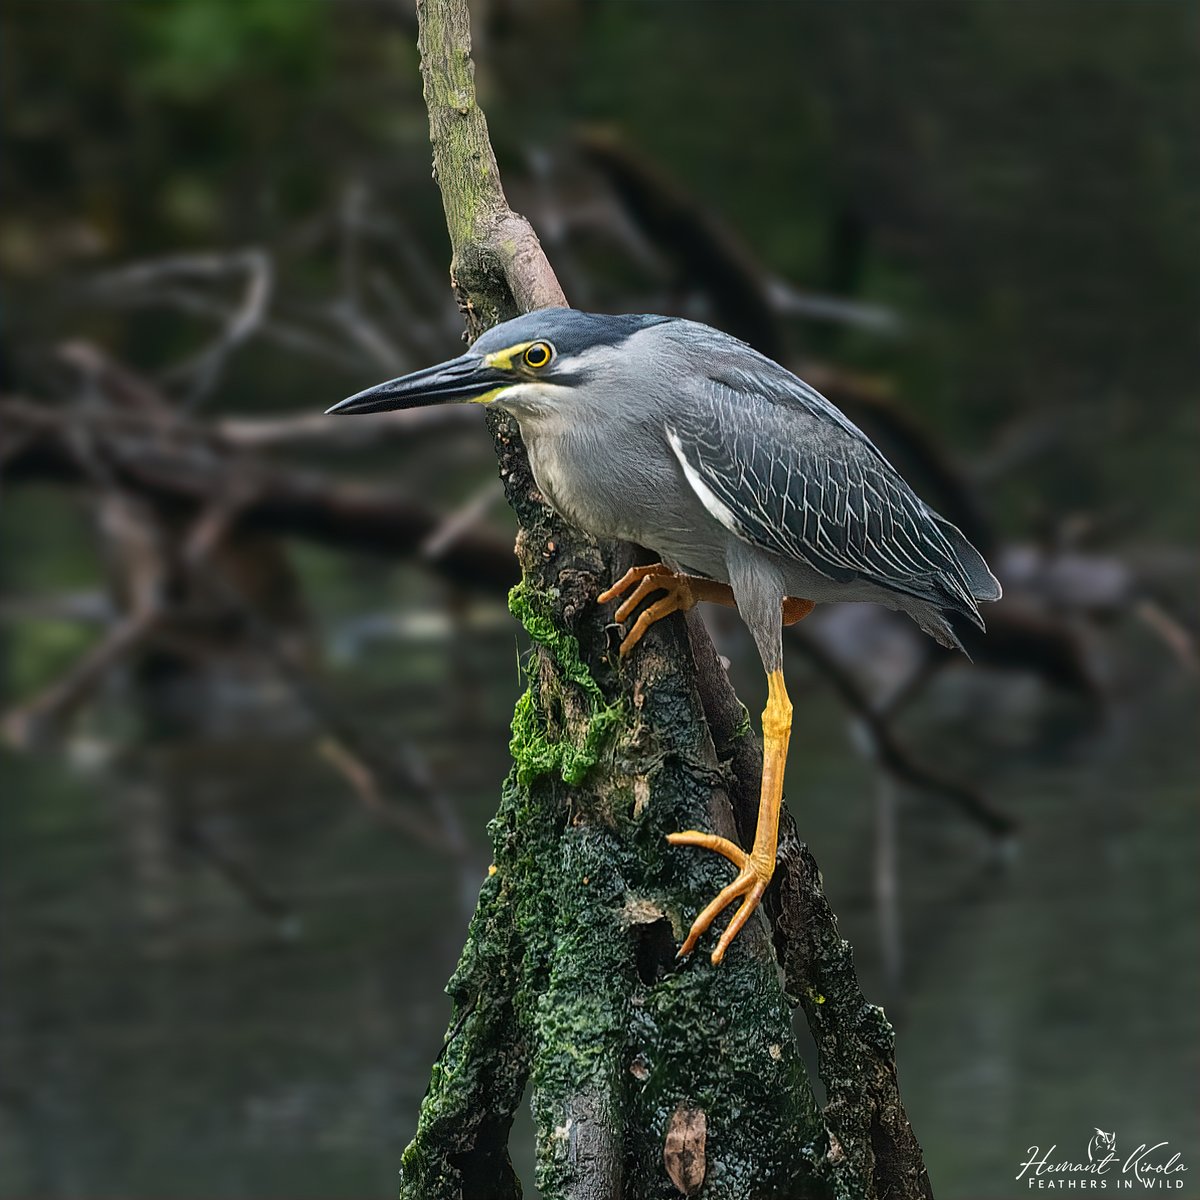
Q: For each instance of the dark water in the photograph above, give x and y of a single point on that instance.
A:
(161, 1036)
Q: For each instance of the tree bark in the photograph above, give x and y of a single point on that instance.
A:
(651, 1077)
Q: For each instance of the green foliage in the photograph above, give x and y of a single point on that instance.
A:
(193, 49)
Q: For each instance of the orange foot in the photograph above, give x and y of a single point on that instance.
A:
(753, 876)
(655, 578)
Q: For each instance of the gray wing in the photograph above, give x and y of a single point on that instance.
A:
(779, 466)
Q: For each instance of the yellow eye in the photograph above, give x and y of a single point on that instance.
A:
(537, 355)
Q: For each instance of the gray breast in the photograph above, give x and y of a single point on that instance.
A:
(639, 496)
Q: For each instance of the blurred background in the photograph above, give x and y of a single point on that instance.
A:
(256, 668)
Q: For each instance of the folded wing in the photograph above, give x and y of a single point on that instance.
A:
(783, 469)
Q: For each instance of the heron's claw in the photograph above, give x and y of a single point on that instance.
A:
(650, 579)
(628, 580)
(751, 882)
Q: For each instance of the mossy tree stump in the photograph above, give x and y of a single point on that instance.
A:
(569, 978)
(651, 1076)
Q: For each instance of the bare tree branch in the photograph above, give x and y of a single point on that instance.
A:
(253, 265)
(28, 725)
(183, 466)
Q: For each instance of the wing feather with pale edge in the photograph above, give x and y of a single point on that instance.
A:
(790, 473)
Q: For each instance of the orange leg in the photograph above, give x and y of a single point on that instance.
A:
(756, 868)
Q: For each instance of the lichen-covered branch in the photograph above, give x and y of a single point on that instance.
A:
(498, 269)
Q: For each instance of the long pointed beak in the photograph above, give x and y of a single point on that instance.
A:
(467, 377)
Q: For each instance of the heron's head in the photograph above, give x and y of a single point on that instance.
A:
(541, 362)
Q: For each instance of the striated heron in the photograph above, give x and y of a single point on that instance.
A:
(754, 490)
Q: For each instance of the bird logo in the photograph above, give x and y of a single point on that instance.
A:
(1101, 1145)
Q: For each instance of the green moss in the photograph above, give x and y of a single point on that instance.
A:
(534, 753)
(743, 729)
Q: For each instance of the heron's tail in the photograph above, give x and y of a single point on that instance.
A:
(983, 584)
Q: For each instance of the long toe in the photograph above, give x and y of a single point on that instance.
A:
(723, 899)
(753, 876)
(740, 918)
(655, 612)
(710, 841)
(646, 587)
(622, 585)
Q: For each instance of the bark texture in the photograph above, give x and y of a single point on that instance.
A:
(569, 978)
